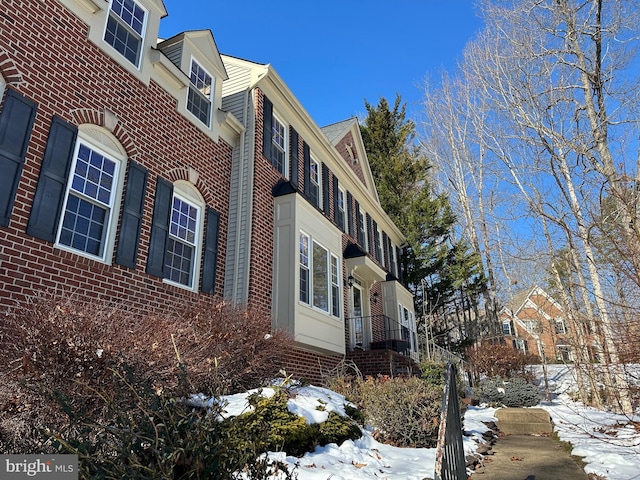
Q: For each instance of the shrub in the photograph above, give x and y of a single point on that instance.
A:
(404, 411)
(147, 434)
(501, 360)
(272, 427)
(62, 348)
(512, 392)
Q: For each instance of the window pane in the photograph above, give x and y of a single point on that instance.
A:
(303, 249)
(320, 278)
(83, 226)
(181, 247)
(124, 30)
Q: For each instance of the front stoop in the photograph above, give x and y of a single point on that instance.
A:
(523, 421)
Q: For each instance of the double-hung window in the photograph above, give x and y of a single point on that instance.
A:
(319, 276)
(200, 95)
(314, 178)
(304, 267)
(183, 241)
(379, 247)
(335, 286)
(125, 29)
(362, 230)
(340, 208)
(279, 145)
(89, 202)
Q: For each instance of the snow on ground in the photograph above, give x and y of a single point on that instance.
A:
(609, 443)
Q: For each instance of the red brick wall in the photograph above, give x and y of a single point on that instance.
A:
(56, 67)
(311, 366)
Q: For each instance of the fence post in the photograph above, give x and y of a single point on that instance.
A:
(450, 461)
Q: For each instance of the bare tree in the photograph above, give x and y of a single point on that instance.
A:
(554, 95)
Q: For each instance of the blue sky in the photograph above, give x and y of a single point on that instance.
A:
(333, 54)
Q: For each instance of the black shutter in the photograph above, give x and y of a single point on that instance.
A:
(371, 245)
(307, 168)
(293, 158)
(160, 228)
(210, 252)
(52, 182)
(133, 207)
(376, 240)
(350, 221)
(359, 233)
(326, 198)
(400, 264)
(267, 128)
(385, 250)
(337, 217)
(16, 122)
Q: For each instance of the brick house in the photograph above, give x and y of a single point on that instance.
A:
(309, 235)
(115, 156)
(152, 171)
(533, 322)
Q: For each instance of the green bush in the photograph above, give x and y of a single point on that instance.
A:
(512, 392)
(144, 433)
(272, 427)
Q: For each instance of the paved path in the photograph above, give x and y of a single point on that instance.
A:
(529, 457)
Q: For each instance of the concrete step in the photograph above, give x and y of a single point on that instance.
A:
(523, 421)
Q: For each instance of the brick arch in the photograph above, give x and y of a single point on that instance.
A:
(8, 69)
(97, 117)
(182, 173)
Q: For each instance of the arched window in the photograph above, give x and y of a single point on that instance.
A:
(3, 83)
(92, 195)
(184, 244)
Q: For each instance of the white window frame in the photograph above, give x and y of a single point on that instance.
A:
(506, 327)
(380, 247)
(282, 147)
(309, 268)
(187, 192)
(199, 94)
(112, 208)
(341, 195)
(315, 180)
(111, 13)
(362, 227)
(559, 322)
(3, 84)
(304, 261)
(335, 293)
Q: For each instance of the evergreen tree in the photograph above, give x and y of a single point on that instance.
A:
(401, 173)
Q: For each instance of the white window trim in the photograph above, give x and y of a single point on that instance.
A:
(3, 84)
(317, 183)
(137, 65)
(380, 252)
(285, 135)
(365, 239)
(342, 211)
(188, 192)
(211, 93)
(334, 258)
(89, 139)
(311, 242)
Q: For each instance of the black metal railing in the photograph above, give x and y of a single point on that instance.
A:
(450, 461)
(386, 334)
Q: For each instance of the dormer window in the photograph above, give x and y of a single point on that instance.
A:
(200, 96)
(125, 29)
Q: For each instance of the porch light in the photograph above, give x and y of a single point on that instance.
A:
(350, 281)
(374, 298)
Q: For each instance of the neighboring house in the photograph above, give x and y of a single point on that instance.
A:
(148, 172)
(533, 322)
(115, 159)
(308, 235)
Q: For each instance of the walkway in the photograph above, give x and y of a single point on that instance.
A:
(525, 451)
